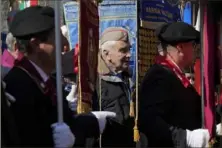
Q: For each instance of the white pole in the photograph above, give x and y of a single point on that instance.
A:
(58, 62)
(197, 26)
(201, 17)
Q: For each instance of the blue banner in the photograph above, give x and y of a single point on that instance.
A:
(112, 13)
(187, 17)
(159, 11)
(71, 21)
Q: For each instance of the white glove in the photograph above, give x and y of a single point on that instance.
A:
(72, 98)
(198, 138)
(219, 130)
(101, 117)
(62, 135)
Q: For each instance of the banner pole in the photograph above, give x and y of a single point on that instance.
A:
(58, 62)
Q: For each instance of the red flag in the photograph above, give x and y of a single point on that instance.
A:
(33, 2)
(197, 76)
(88, 51)
(209, 71)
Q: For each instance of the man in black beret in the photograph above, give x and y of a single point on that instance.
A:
(29, 81)
(170, 107)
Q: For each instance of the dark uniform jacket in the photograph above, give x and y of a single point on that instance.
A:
(34, 111)
(167, 108)
(115, 97)
(9, 135)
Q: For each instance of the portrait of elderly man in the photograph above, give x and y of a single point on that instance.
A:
(114, 87)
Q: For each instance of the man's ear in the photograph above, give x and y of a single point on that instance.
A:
(179, 47)
(34, 43)
(105, 54)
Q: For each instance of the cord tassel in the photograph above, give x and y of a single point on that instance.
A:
(136, 132)
(132, 112)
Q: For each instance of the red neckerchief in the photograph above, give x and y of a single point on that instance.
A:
(47, 87)
(169, 64)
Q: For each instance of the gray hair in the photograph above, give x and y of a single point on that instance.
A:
(10, 41)
(107, 45)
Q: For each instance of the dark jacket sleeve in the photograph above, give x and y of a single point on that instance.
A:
(155, 106)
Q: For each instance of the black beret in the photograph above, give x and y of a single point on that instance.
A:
(31, 21)
(177, 32)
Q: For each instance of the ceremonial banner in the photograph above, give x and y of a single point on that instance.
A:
(187, 15)
(153, 14)
(88, 53)
(71, 20)
(210, 53)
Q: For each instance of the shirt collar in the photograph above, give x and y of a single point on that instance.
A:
(44, 76)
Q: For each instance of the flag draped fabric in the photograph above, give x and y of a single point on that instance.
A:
(88, 51)
(27, 3)
(209, 70)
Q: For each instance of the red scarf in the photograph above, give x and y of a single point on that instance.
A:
(169, 64)
(48, 87)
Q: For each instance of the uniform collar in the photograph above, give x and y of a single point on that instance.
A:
(175, 68)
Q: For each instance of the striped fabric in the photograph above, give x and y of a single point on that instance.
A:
(27, 3)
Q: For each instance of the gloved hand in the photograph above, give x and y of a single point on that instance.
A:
(101, 117)
(72, 98)
(219, 130)
(62, 135)
(198, 138)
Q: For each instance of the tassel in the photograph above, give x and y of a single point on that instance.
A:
(132, 112)
(83, 108)
(79, 107)
(212, 142)
(86, 108)
(136, 132)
